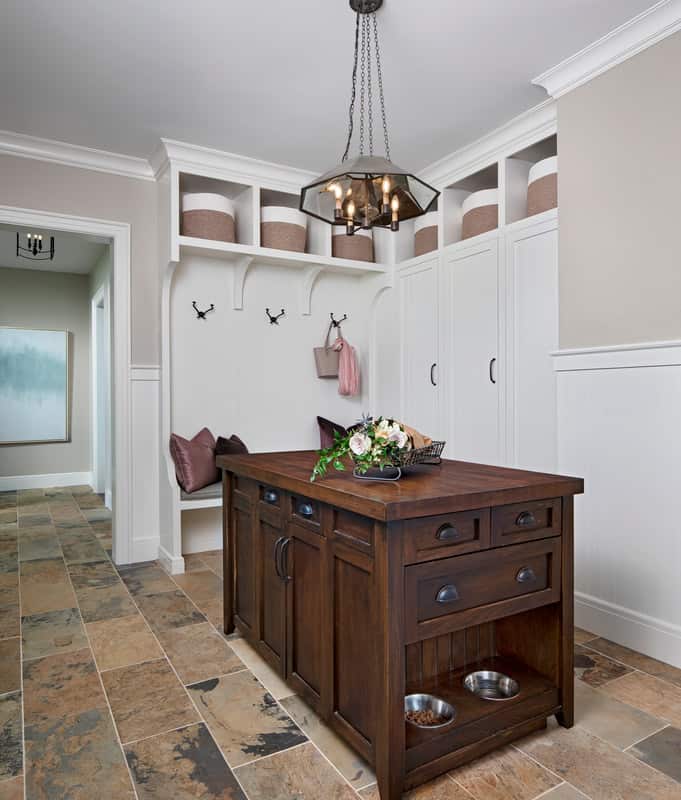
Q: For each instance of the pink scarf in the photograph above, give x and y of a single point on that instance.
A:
(348, 371)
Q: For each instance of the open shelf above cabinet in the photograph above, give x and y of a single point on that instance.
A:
(517, 172)
(456, 194)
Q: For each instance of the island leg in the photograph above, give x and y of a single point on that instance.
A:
(390, 734)
(566, 717)
(227, 552)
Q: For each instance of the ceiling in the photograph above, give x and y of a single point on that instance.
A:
(73, 252)
(270, 79)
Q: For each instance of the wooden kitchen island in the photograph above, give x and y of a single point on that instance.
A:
(358, 593)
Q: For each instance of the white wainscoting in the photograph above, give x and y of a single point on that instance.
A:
(13, 482)
(619, 427)
(144, 450)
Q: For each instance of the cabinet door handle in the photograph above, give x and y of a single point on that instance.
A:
(492, 362)
(305, 509)
(526, 520)
(283, 558)
(270, 496)
(526, 575)
(447, 533)
(447, 594)
(432, 373)
(277, 547)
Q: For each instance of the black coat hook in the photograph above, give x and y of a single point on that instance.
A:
(336, 322)
(274, 320)
(202, 314)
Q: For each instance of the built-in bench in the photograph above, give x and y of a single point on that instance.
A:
(208, 497)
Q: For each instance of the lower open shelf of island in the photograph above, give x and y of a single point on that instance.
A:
(476, 718)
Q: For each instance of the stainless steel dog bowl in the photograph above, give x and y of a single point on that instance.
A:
(489, 685)
(428, 702)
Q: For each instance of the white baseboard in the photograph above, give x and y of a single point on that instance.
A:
(144, 549)
(12, 482)
(655, 637)
(173, 565)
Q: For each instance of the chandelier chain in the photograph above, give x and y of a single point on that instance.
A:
(380, 87)
(362, 86)
(370, 96)
(353, 94)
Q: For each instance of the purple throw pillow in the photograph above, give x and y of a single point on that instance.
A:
(230, 447)
(326, 431)
(194, 460)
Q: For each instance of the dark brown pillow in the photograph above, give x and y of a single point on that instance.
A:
(230, 447)
(326, 431)
(194, 460)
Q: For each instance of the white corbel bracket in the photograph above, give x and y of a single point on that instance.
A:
(241, 267)
(307, 282)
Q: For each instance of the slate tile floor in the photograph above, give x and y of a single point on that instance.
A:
(119, 684)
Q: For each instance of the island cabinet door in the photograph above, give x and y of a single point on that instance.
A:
(244, 565)
(303, 562)
(271, 631)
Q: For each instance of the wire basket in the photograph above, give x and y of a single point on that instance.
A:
(424, 455)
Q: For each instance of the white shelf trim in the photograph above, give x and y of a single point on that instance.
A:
(73, 155)
(622, 356)
(648, 28)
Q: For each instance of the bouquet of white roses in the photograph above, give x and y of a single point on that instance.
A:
(371, 443)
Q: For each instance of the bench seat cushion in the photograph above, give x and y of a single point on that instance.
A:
(209, 492)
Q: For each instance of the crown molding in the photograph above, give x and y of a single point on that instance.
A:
(520, 132)
(230, 166)
(73, 155)
(651, 26)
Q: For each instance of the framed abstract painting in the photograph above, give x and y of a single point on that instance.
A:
(34, 386)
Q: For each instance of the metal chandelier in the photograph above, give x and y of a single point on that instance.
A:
(367, 191)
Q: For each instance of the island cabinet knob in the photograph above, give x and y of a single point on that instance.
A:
(447, 533)
(305, 509)
(270, 496)
(447, 594)
(526, 520)
(526, 575)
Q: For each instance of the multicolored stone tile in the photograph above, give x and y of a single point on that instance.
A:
(654, 696)
(505, 774)
(76, 756)
(168, 610)
(9, 558)
(595, 669)
(637, 660)
(274, 684)
(9, 588)
(45, 586)
(182, 765)
(8, 515)
(596, 768)
(564, 792)
(147, 578)
(662, 750)
(122, 641)
(33, 520)
(107, 602)
(62, 684)
(147, 699)
(299, 773)
(39, 543)
(11, 746)
(198, 652)
(246, 720)
(203, 587)
(10, 665)
(214, 560)
(52, 632)
(81, 547)
(94, 575)
(616, 723)
(12, 789)
(443, 788)
(9, 621)
(351, 765)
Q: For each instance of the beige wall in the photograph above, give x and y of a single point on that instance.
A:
(620, 203)
(27, 183)
(52, 301)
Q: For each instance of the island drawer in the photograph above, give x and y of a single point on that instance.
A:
(453, 593)
(525, 522)
(444, 535)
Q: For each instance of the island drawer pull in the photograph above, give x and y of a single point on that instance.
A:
(306, 509)
(526, 575)
(283, 559)
(447, 594)
(277, 547)
(526, 520)
(270, 496)
(447, 533)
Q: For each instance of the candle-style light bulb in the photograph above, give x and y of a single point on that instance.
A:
(350, 225)
(395, 207)
(385, 188)
(338, 192)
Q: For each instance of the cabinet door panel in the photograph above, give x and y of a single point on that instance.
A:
(418, 298)
(244, 562)
(472, 354)
(272, 603)
(304, 563)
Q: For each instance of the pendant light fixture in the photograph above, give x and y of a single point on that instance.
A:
(34, 248)
(367, 190)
